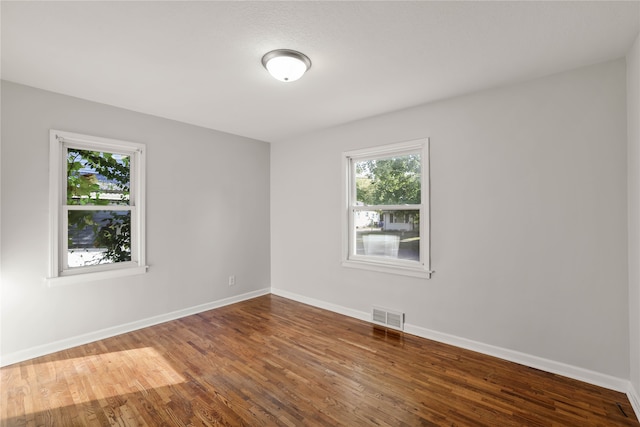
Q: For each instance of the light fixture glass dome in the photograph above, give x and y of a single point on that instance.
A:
(286, 65)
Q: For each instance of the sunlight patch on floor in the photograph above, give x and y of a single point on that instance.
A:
(59, 383)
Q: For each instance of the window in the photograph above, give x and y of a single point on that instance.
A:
(97, 207)
(387, 209)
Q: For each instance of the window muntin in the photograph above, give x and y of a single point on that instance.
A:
(387, 217)
(97, 198)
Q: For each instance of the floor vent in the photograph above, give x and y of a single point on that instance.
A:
(388, 318)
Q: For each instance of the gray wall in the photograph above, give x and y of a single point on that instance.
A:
(207, 218)
(529, 219)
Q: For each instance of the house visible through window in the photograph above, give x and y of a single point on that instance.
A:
(387, 223)
(97, 198)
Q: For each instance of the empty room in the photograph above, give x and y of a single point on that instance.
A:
(320, 213)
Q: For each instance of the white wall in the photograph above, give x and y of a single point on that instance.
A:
(633, 131)
(207, 218)
(529, 217)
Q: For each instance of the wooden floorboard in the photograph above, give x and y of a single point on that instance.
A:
(271, 361)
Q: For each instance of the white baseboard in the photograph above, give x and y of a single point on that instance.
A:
(634, 399)
(30, 353)
(559, 368)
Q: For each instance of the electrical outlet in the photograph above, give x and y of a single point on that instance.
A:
(232, 280)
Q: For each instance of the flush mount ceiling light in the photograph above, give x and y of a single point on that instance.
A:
(286, 65)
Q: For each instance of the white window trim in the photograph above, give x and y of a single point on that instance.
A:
(420, 269)
(57, 182)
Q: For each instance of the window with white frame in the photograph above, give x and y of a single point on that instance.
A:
(97, 207)
(387, 209)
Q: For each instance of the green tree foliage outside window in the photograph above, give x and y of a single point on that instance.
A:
(391, 181)
(97, 178)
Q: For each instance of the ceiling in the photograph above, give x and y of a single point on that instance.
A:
(199, 62)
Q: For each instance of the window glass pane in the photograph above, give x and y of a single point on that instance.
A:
(391, 234)
(388, 181)
(98, 237)
(97, 178)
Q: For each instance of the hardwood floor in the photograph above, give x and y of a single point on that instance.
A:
(272, 361)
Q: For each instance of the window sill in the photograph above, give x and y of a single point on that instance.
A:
(388, 268)
(98, 275)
